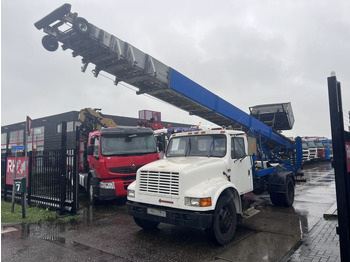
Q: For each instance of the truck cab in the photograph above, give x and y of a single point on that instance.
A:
(312, 149)
(114, 156)
(306, 152)
(320, 150)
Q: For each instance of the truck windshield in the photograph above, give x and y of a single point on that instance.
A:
(319, 144)
(304, 145)
(201, 145)
(126, 145)
(311, 143)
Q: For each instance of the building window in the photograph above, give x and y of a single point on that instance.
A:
(71, 126)
(16, 138)
(3, 141)
(59, 128)
(36, 139)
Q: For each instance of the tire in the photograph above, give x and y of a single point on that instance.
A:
(224, 223)
(81, 26)
(285, 199)
(146, 224)
(49, 43)
(92, 198)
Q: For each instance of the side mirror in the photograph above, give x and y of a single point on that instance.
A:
(90, 150)
(252, 150)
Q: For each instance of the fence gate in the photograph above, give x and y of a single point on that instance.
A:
(52, 178)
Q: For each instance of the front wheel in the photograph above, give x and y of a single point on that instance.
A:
(49, 43)
(146, 224)
(224, 223)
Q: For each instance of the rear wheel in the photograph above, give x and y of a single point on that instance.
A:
(224, 223)
(145, 224)
(81, 26)
(285, 199)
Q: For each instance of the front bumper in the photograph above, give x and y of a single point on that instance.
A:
(172, 216)
(119, 190)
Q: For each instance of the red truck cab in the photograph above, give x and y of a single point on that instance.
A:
(114, 156)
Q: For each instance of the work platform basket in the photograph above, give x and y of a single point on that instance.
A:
(277, 116)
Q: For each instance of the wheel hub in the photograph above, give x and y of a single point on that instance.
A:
(225, 220)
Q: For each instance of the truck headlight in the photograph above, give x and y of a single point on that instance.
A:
(198, 202)
(131, 193)
(107, 185)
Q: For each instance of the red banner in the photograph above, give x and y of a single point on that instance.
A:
(10, 169)
(347, 152)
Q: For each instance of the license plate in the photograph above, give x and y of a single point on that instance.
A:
(156, 212)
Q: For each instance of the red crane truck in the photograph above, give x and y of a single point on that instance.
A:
(114, 154)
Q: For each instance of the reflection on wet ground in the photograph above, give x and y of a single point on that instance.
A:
(107, 233)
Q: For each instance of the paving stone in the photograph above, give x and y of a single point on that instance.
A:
(321, 244)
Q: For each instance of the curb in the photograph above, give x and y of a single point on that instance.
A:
(332, 213)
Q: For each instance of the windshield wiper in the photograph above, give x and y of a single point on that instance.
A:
(240, 159)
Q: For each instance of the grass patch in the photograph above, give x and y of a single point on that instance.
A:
(33, 214)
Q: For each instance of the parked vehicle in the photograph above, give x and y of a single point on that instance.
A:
(306, 152)
(312, 149)
(331, 148)
(114, 154)
(320, 150)
(327, 148)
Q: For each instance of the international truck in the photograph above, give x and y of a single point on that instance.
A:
(113, 155)
(205, 174)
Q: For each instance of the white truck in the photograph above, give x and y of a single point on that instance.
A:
(200, 183)
(306, 152)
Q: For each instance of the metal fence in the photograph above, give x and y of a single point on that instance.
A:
(52, 179)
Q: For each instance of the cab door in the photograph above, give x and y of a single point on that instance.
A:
(95, 163)
(241, 165)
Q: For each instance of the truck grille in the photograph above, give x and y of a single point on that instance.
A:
(159, 182)
(124, 169)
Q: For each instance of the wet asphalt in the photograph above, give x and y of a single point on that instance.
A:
(106, 233)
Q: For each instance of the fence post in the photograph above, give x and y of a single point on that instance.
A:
(5, 170)
(63, 162)
(29, 177)
(340, 168)
(76, 171)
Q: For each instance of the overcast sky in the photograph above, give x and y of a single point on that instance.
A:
(247, 52)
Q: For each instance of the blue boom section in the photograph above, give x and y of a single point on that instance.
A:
(193, 91)
(131, 65)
